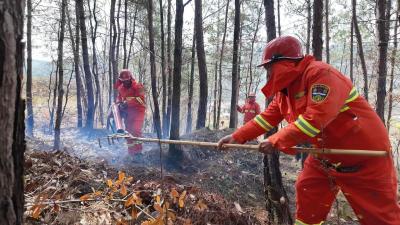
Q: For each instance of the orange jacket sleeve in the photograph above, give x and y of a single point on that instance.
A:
(239, 109)
(261, 124)
(326, 96)
(138, 100)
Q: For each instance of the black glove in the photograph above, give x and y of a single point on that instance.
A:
(123, 105)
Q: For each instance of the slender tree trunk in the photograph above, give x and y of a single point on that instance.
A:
(220, 64)
(216, 72)
(351, 49)
(132, 36)
(235, 79)
(60, 67)
(30, 120)
(392, 65)
(317, 29)
(163, 72)
(11, 112)
(360, 48)
(156, 114)
(75, 50)
(327, 31)
(308, 42)
(273, 186)
(117, 55)
(113, 71)
(190, 86)
(167, 120)
(279, 17)
(125, 64)
(201, 57)
(382, 58)
(86, 67)
(175, 153)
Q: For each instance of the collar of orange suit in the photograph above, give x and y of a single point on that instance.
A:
(283, 73)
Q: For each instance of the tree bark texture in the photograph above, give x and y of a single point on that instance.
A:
(190, 86)
(11, 112)
(318, 9)
(86, 67)
(327, 31)
(308, 39)
(235, 79)
(60, 67)
(163, 72)
(201, 63)
(156, 113)
(30, 118)
(383, 38)
(167, 120)
(175, 153)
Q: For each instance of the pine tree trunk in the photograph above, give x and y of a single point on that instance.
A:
(308, 41)
(235, 79)
(60, 67)
(382, 58)
(125, 62)
(392, 65)
(156, 114)
(360, 48)
(249, 89)
(86, 67)
(163, 72)
(201, 63)
(220, 64)
(317, 29)
(132, 37)
(167, 120)
(327, 31)
(175, 153)
(279, 16)
(273, 187)
(351, 49)
(11, 112)
(113, 40)
(30, 120)
(190, 86)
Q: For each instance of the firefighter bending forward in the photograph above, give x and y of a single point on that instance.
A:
(251, 109)
(324, 109)
(132, 104)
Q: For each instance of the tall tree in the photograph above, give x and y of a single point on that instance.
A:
(30, 120)
(278, 9)
(221, 56)
(11, 112)
(113, 72)
(163, 72)
(167, 120)
(360, 48)
(383, 38)
(235, 79)
(273, 185)
(327, 31)
(190, 85)
(201, 63)
(392, 65)
(86, 66)
(317, 29)
(156, 114)
(175, 153)
(216, 72)
(125, 62)
(78, 80)
(351, 48)
(60, 68)
(308, 40)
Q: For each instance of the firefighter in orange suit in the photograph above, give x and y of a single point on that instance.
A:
(324, 109)
(251, 109)
(132, 104)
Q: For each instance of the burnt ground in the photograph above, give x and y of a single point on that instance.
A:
(229, 183)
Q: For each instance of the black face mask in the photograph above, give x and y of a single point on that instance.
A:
(127, 84)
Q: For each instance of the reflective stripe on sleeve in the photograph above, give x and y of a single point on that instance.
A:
(299, 222)
(263, 123)
(344, 108)
(306, 127)
(353, 95)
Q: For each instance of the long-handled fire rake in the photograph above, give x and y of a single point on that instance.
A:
(326, 151)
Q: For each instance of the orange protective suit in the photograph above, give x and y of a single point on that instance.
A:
(324, 109)
(135, 111)
(251, 109)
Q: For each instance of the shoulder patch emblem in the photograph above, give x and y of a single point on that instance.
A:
(319, 92)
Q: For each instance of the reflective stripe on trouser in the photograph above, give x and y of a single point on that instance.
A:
(260, 121)
(299, 222)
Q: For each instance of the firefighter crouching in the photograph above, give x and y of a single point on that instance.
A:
(131, 101)
(250, 109)
(324, 109)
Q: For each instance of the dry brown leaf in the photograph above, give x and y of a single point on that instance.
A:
(158, 208)
(85, 197)
(158, 199)
(171, 216)
(134, 213)
(182, 199)
(187, 222)
(97, 193)
(56, 208)
(109, 183)
(129, 179)
(36, 210)
(123, 190)
(122, 222)
(121, 176)
(130, 201)
(201, 206)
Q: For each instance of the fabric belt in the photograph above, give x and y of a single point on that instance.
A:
(337, 167)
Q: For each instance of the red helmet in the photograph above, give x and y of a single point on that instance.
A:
(284, 47)
(252, 94)
(125, 75)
